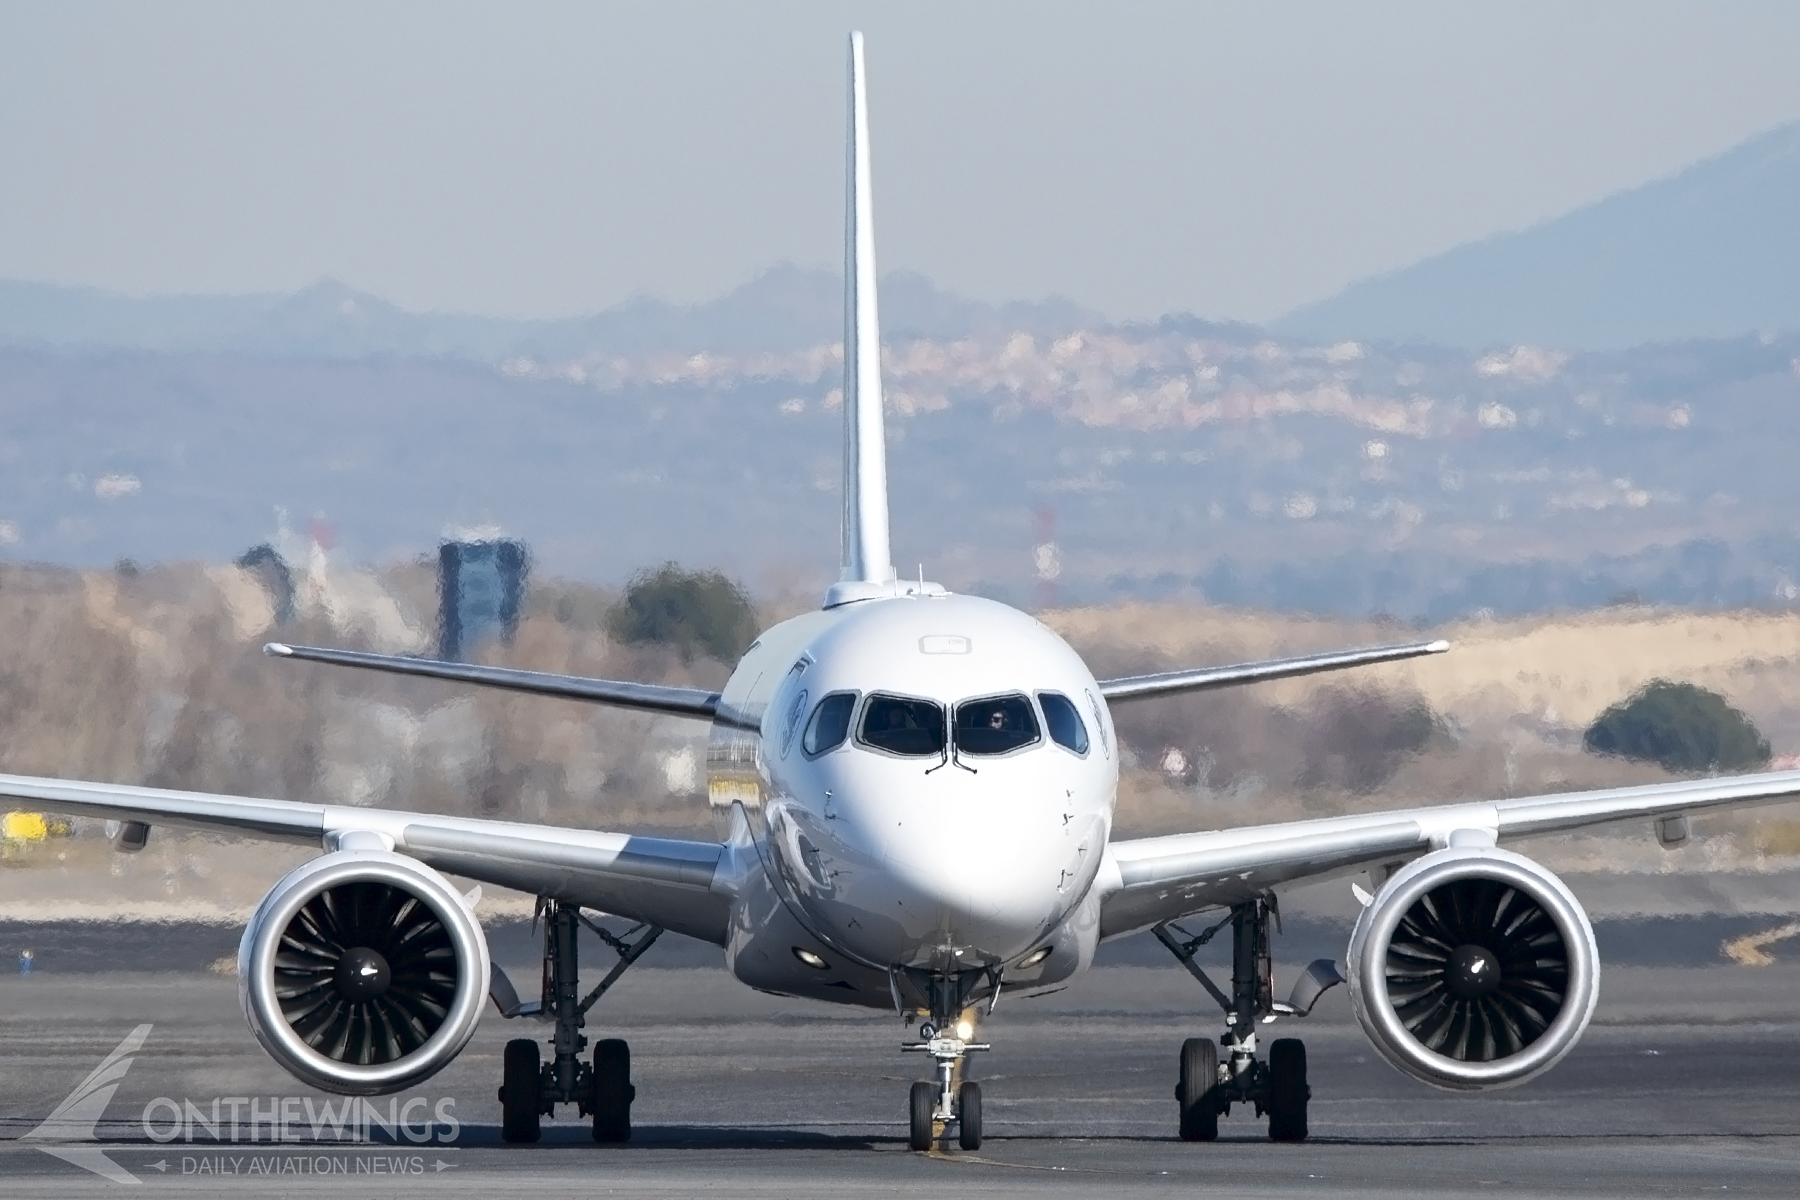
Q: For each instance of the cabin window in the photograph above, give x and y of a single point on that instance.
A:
(830, 723)
(1063, 720)
(995, 725)
(900, 725)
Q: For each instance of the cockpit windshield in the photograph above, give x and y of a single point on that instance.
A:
(903, 726)
(995, 725)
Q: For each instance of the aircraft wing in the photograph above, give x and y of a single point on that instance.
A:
(679, 885)
(1146, 881)
(1136, 687)
(649, 697)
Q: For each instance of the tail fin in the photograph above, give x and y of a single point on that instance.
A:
(867, 557)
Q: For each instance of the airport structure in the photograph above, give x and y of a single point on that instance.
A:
(481, 589)
(270, 570)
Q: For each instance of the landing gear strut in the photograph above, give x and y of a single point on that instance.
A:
(601, 1090)
(1207, 1088)
(951, 1099)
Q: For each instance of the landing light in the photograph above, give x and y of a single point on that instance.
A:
(810, 959)
(965, 1030)
(1035, 957)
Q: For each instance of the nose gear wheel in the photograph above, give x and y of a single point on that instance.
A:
(968, 1116)
(923, 1101)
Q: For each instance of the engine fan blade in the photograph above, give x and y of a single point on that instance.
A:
(1476, 970)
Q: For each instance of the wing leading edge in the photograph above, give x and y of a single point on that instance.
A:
(648, 697)
(1149, 880)
(680, 885)
(1136, 687)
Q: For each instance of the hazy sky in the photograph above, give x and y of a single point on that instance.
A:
(544, 159)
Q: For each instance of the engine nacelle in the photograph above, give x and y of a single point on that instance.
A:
(1473, 969)
(363, 972)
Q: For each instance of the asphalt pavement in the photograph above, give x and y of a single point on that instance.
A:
(1685, 1085)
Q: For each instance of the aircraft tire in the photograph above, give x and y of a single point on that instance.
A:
(968, 1111)
(613, 1091)
(1194, 1092)
(924, 1100)
(520, 1104)
(1288, 1092)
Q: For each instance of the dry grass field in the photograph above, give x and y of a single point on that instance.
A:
(1508, 705)
(1563, 669)
(156, 677)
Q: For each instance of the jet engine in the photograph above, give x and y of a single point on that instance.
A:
(363, 972)
(1474, 968)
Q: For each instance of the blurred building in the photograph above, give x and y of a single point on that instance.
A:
(265, 564)
(481, 589)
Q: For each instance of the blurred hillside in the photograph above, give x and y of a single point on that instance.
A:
(783, 309)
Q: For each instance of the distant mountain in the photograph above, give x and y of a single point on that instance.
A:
(1712, 251)
(784, 308)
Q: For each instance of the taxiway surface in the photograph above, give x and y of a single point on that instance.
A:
(1686, 1085)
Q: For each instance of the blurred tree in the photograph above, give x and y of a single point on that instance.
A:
(694, 611)
(1680, 726)
(1358, 737)
(575, 605)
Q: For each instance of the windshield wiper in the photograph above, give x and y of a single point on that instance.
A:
(952, 756)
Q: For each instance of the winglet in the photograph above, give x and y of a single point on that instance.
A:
(867, 557)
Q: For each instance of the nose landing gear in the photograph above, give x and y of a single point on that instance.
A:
(1206, 1087)
(952, 1099)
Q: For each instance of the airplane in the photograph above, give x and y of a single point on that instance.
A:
(915, 795)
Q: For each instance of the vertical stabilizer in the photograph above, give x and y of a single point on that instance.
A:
(867, 557)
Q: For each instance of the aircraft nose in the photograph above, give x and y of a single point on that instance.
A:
(986, 886)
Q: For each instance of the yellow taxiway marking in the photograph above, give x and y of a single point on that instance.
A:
(1751, 949)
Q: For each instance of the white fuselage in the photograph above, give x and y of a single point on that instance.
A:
(891, 852)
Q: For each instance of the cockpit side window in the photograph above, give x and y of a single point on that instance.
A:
(904, 726)
(830, 723)
(1064, 722)
(995, 725)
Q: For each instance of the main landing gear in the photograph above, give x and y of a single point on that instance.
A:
(951, 1099)
(1207, 1087)
(602, 1089)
